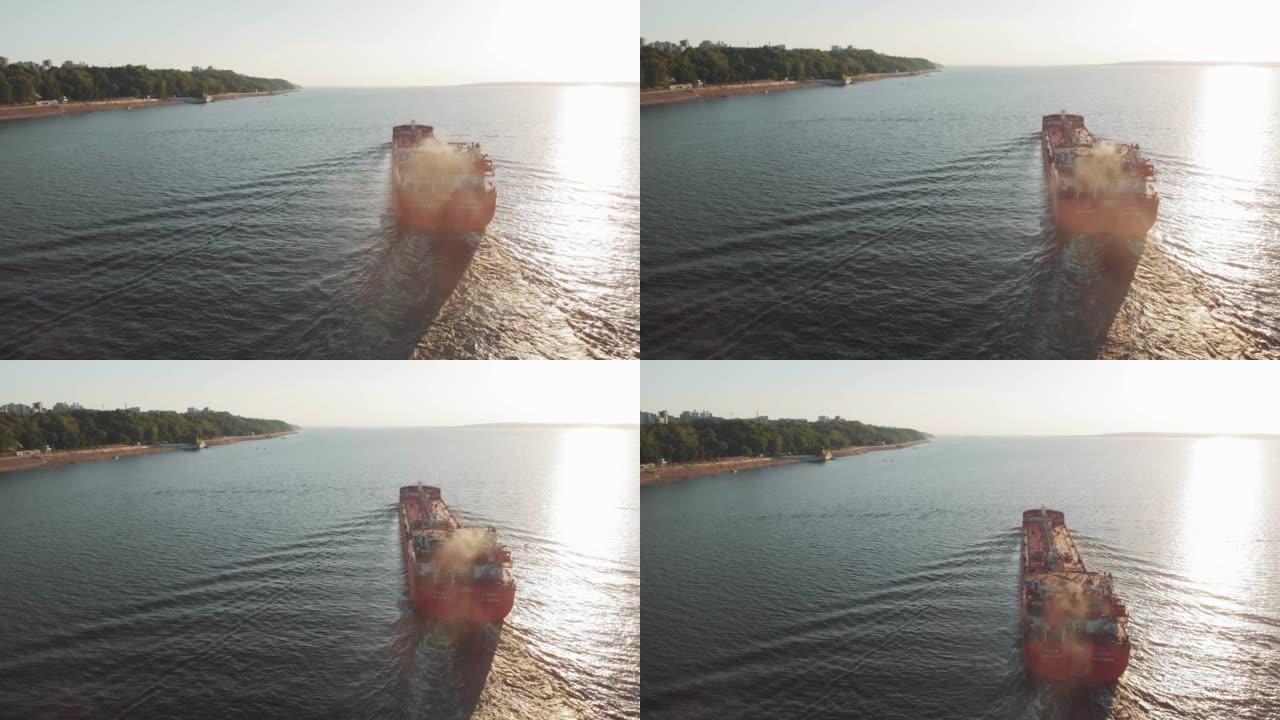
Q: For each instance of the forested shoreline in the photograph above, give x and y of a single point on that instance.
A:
(706, 439)
(26, 83)
(82, 429)
(716, 63)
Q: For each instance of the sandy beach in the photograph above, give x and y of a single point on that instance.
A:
(241, 438)
(25, 112)
(58, 458)
(680, 472)
(665, 97)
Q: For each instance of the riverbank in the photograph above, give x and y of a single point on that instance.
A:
(58, 458)
(666, 97)
(26, 112)
(680, 472)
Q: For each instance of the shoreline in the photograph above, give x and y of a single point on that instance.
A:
(682, 472)
(30, 112)
(61, 458)
(667, 97)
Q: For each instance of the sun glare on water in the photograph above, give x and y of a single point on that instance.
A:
(591, 142)
(1219, 525)
(1226, 207)
(590, 135)
(593, 491)
(1235, 107)
(1223, 485)
(587, 497)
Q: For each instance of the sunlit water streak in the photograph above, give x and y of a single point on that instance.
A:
(908, 218)
(885, 585)
(264, 579)
(263, 228)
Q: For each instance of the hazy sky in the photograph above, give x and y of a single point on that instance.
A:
(986, 32)
(339, 393)
(982, 398)
(339, 42)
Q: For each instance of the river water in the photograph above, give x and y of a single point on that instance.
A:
(885, 585)
(264, 579)
(907, 218)
(263, 228)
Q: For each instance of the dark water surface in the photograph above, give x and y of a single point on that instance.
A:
(264, 579)
(263, 228)
(908, 218)
(885, 585)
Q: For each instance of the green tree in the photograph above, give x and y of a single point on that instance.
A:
(98, 83)
(686, 447)
(24, 89)
(684, 441)
(78, 84)
(8, 440)
(650, 449)
(718, 63)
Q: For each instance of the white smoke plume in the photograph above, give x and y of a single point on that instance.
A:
(1100, 168)
(463, 547)
(437, 158)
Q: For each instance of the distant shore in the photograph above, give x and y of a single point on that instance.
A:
(59, 458)
(680, 472)
(665, 97)
(25, 112)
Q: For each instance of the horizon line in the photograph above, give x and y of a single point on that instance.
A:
(488, 83)
(500, 424)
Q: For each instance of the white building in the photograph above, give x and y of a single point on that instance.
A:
(47, 65)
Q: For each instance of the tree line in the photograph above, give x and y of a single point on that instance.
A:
(20, 83)
(718, 63)
(706, 439)
(77, 429)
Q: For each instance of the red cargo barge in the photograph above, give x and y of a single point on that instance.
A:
(1073, 626)
(453, 572)
(438, 186)
(1096, 187)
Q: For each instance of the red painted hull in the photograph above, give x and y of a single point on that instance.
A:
(1104, 216)
(471, 603)
(460, 213)
(1087, 661)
